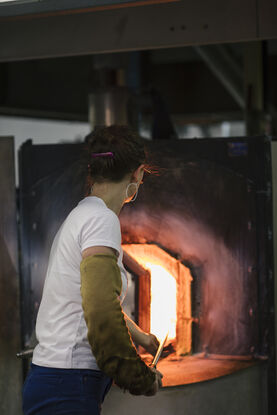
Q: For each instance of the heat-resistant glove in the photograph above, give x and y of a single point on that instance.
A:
(108, 334)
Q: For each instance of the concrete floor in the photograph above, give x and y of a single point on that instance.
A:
(241, 393)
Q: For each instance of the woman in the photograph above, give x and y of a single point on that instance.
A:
(83, 336)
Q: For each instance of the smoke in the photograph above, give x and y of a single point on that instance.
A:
(219, 274)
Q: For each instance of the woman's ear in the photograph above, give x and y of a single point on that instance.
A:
(138, 174)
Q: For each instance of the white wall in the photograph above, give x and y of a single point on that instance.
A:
(41, 131)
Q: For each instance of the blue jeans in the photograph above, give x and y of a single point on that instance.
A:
(50, 391)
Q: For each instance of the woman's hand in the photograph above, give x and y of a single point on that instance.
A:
(150, 343)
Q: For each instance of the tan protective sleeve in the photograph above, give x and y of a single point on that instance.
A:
(108, 334)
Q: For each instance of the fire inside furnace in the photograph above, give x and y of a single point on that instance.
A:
(164, 294)
(164, 303)
(163, 313)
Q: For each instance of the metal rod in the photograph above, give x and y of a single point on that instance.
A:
(25, 354)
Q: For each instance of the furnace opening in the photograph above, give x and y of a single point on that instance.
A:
(164, 294)
(164, 304)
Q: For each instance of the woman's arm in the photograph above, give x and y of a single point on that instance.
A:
(147, 340)
(108, 334)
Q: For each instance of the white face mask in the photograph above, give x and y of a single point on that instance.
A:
(136, 193)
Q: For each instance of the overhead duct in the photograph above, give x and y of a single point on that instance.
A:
(108, 102)
(109, 106)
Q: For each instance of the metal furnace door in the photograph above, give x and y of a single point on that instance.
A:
(10, 344)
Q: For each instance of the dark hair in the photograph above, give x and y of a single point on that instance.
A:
(127, 149)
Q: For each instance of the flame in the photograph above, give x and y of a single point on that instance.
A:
(163, 302)
(164, 295)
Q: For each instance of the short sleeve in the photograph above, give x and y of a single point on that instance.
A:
(102, 229)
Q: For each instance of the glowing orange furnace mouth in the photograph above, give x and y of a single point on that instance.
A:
(165, 296)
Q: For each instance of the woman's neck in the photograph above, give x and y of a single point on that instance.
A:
(113, 194)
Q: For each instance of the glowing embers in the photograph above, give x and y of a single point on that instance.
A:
(164, 294)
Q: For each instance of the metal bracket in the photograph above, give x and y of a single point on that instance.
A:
(267, 192)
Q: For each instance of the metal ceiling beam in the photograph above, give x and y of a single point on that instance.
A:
(174, 24)
(52, 7)
(226, 69)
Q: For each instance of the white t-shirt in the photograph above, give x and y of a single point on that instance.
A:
(61, 328)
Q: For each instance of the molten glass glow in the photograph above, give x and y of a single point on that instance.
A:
(163, 302)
